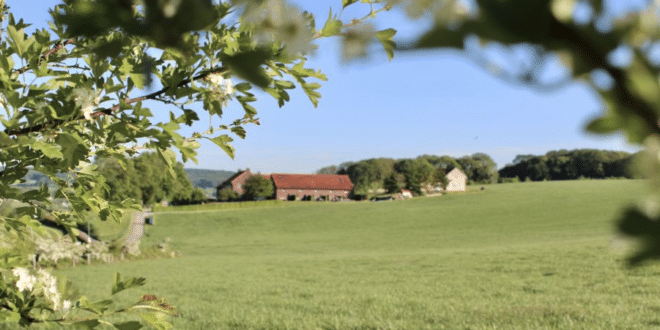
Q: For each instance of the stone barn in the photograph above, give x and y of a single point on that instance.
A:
(457, 180)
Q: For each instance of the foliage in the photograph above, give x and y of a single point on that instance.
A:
(82, 90)
(144, 178)
(227, 194)
(258, 187)
(570, 165)
(417, 173)
(479, 168)
(198, 195)
(332, 169)
(395, 182)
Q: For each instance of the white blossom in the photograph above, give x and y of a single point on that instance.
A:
(26, 281)
(215, 79)
(66, 305)
(229, 87)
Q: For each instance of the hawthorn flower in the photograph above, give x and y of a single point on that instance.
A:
(220, 87)
(66, 305)
(43, 284)
(229, 88)
(215, 79)
(26, 281)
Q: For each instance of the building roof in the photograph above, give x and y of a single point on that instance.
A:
(234, 177)
(312, 181)
(455, 173)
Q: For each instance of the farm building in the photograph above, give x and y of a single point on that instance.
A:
(457, 180)
(297, 186)
(235, 182)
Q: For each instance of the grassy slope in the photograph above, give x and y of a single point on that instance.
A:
(529, 255)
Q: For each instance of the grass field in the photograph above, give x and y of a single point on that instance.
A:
(514, 256)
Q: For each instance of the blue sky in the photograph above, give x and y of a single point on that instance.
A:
(430, 102)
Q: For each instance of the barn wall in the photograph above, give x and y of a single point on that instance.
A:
(283, 194)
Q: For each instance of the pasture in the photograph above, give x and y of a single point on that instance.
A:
(514, 256)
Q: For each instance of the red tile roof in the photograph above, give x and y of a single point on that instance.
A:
(312, 181)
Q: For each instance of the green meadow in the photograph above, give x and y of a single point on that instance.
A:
(512, 256)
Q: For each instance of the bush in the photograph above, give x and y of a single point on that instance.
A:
(227, 194)
(198, 195)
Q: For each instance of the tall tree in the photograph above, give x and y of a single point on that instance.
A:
(479, 168)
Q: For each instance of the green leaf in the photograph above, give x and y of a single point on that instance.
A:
(157, 320)
(386, 38)
(9, 316)
(73, 149)
(312, 94)
(332, 26)
(48, 149)
(247, 65)
(19, 43)
(120, 285)
(441, 37)
(87, 325)
(138, 79)
(97, 307)
(132, 325)
(604, 125)
(346, 3)
(636, 224)
(222, 141)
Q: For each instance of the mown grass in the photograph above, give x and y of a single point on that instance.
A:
(514, 256)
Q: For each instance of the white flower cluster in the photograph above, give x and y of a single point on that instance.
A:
(221, 87)
(42, 284)
(63, 248)
(85, 100)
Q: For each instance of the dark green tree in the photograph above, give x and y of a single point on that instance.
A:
(258, 186)
(479, 168)
(332, 169)
(395, 182)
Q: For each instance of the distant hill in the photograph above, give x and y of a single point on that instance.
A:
(207, 178)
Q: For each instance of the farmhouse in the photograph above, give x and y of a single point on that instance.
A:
(457, 180)
(235, 182)
(297, 186)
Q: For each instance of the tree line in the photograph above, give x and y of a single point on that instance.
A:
(570, 165)
(145, 178)
(414, 174)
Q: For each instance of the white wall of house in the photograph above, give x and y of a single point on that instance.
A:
(457, 180)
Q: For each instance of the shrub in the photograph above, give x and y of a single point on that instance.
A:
(227, 194)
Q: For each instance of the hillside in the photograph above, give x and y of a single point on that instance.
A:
(512, 256)
(207, 178)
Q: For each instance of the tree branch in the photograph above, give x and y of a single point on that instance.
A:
(99, 113)
(590, 54)
(44, 56)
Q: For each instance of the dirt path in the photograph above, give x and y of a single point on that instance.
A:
(137, 227)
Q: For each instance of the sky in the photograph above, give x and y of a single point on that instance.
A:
(423, 102)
